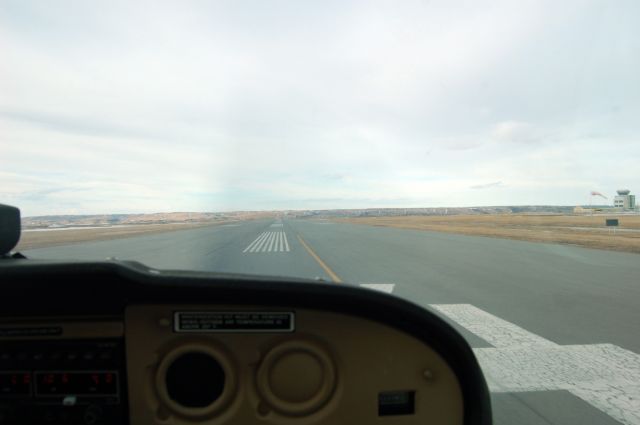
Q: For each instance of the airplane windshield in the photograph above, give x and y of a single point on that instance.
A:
(479, 159)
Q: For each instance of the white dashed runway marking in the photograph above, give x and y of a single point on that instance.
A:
(269, 242)
(384, 287)
(604, 375)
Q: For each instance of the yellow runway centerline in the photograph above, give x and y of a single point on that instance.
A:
(334, 277)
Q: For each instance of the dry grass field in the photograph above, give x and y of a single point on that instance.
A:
(586, 231)
(42, 239)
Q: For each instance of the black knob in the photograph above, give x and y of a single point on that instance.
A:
(195, 380)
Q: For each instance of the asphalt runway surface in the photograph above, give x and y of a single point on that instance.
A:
(556, 328)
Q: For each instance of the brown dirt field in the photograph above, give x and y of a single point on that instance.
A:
(42, 239)
(586, 231)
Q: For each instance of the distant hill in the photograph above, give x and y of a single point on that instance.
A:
(102, 220)
(386, 212)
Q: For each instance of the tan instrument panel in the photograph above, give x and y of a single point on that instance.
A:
(225, 365)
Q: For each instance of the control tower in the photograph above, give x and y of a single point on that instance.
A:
(624, 200)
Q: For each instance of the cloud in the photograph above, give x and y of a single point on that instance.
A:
(515, 132)
(487, 185)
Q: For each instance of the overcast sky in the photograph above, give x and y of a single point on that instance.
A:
(154, 106)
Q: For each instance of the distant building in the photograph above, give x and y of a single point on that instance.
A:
(624, 200)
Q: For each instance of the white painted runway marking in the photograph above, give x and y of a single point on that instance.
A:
(262, 245)
(269, 242)
(272, 238)
(384, 287)
(604, 375)
(255, 243)
(276, 225)
(492, 329)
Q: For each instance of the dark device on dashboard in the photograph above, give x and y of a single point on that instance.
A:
(9, 228)
(60, 381)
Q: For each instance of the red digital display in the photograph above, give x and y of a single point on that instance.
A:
(15, 383)
(101, 383)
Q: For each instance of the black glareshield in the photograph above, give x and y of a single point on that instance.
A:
(9, 228)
